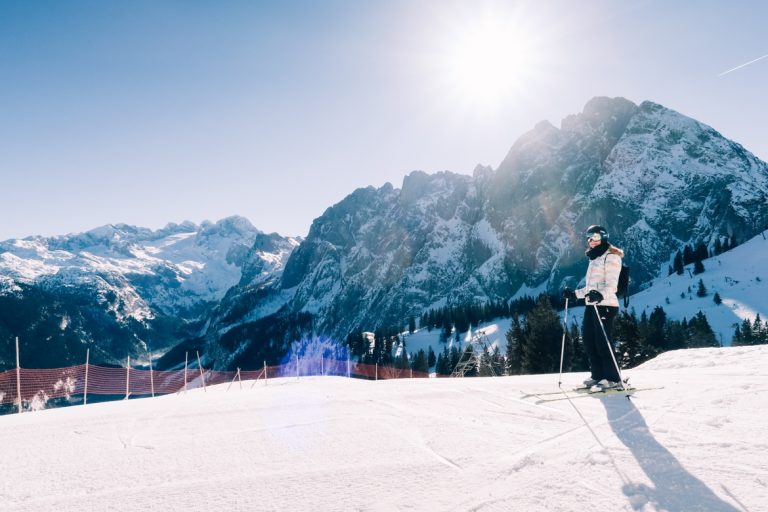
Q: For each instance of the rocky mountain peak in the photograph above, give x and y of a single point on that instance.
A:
(655, 178)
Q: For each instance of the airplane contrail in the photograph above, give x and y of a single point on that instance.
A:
(743, 65)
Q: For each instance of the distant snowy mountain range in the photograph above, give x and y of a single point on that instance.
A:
(147, 288)
(656, 178)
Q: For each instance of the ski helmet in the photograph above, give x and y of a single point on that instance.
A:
(597, 233)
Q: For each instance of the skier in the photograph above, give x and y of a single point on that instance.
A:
(600, 289)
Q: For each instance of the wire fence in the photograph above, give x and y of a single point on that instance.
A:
(24, 389)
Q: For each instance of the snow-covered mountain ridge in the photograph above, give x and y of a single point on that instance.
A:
(656, 178)
(138, 275)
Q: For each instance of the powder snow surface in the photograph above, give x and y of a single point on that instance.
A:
(698, 443)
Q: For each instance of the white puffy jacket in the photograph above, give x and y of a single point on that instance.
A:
(603, 276)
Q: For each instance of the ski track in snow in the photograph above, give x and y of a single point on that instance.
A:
(329, 443)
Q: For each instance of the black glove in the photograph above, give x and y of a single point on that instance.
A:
(595, 296)
(569, 294)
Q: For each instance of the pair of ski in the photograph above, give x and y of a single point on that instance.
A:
(582, 391)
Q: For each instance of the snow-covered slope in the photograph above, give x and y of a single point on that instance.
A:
(739, 276)
(694, 441)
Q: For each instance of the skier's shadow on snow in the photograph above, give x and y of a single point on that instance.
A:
(674, 488)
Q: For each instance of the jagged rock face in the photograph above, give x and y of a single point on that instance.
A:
(655, 178)
(122, 290)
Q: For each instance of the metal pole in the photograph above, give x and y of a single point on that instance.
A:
(18, 374)
(610, 350)
(239, 380)
(348, 372)
(186, 361)
(200, 366)
(322, 366)
(237, 376)
(377, 371)
(297, 367)
(151, 377)
(562, 348)
(85, 392)
(127, 377)
(265, 373)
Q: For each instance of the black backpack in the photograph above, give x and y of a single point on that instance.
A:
(623, 287)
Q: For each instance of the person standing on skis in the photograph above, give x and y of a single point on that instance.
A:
(599, 294)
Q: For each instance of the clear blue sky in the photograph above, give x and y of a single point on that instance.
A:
(149, 112)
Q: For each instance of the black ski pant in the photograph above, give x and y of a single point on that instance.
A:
(595, 344)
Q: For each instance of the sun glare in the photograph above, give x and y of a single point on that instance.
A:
(488, 62)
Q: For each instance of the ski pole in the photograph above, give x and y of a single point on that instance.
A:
(610, 350)
(562, 348)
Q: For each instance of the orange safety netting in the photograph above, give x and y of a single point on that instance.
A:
(38, 386)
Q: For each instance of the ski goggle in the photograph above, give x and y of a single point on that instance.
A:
(594, 236)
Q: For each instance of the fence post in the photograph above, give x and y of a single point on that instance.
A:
(127, 377)
(297, 367)
(186, 361)
(377, 371)
(18, 374)
(265, 373)
(237, 376)
(322, 366)
(200, 366)
(348, 372)
(85, 391)
(151, 378)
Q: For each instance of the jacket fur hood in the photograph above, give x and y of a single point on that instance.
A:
(615, 250)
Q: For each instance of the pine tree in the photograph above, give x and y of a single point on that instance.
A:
(455, 356)
(431, 359)
(412, 324)
(717, 299)
(737, 338)
(655, 334)
(515, 347)
(698, 267)
(757, 331)
(701, 252)
(580, 360)
(687, 255)
(443, 363)
(631, 347)
(420, 362)
(497, 361)
(543, 333)
(746, 333)
(460, 319)
(676, 334)
(402, 361)
(702, 290)
(677, 264)
(700, 332)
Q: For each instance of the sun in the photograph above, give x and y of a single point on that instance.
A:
(489, 61)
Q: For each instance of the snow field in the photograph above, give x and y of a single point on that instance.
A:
(330, 443)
